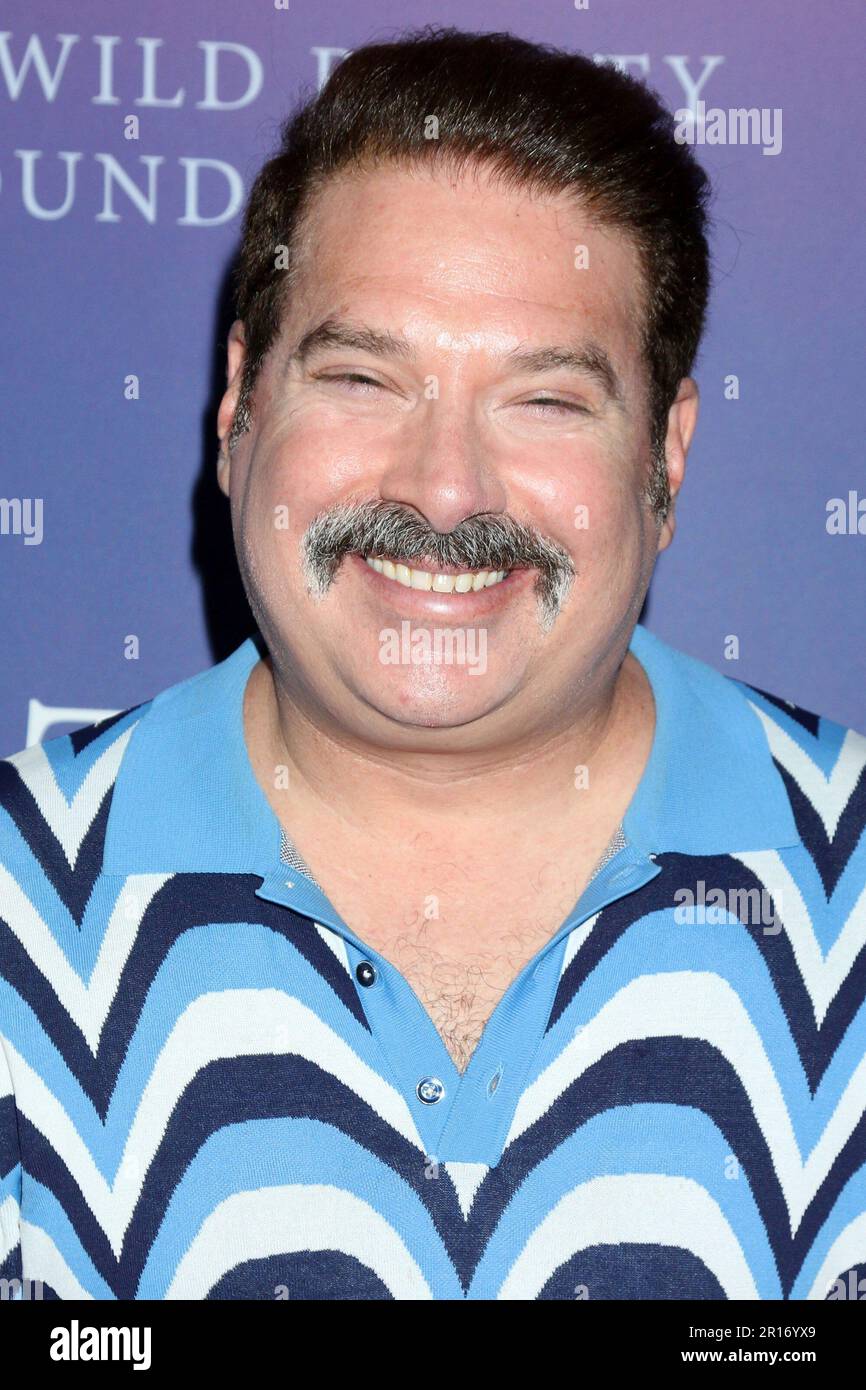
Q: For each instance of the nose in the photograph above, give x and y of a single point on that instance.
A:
(442, 467)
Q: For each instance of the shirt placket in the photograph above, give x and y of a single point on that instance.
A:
(462, 1117)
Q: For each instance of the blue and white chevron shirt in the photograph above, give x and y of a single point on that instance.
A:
(206, 1091)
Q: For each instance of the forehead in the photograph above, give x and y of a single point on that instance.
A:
(464, 262)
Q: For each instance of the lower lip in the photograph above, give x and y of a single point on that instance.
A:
(426, 602)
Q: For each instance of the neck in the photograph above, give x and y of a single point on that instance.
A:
(502, 793)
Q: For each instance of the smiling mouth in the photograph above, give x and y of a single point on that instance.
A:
(456, 582)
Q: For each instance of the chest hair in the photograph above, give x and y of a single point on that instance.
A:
(460, 984)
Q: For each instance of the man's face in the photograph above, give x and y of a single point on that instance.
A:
(438, 413)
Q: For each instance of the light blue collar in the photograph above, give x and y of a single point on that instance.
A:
(186, 799)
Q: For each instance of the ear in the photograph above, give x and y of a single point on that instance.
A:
(682, 420)
(235, 358)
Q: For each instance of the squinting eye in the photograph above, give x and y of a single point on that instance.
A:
(355, 377)
(548, 401)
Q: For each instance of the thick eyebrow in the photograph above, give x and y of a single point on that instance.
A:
(355, 337)
(587, 358)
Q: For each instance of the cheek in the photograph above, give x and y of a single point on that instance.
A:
(590, 505)
(284, 492)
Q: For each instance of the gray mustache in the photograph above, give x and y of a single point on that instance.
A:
(383, 529)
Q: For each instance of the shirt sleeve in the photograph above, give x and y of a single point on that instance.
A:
(10, 1179)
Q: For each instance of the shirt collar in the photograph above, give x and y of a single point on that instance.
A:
(186, 799)
(710, 785)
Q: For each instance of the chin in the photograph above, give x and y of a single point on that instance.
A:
(435, 699)
(433, 719)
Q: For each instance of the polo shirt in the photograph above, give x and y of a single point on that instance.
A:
(212, 1087)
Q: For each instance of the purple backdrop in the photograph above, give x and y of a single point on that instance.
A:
(110, 520)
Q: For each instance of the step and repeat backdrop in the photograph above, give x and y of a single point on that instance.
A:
(130, 136)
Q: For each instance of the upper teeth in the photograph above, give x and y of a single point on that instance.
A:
(439, 583)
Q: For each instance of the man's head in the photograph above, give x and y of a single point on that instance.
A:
(471, 289)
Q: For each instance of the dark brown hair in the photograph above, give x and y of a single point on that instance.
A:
(537, 117)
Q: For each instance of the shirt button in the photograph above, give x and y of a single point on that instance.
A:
(365, 973)
(429, 1090)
